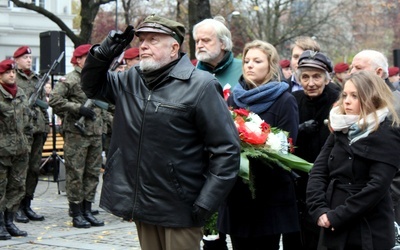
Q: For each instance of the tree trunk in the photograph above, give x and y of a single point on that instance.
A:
(198, 10)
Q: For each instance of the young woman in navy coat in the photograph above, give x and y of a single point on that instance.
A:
(258, 223)
(348, 189)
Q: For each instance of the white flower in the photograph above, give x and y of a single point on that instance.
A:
(278, 142)
(254, 123)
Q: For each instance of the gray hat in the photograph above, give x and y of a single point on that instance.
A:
(315, 59)
(157, 24)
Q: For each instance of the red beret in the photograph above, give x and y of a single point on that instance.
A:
(6, 65)
(393, 71)
(284, 63)
(80, 51)
(22, 51)
(131, 53)
(341, 67)
(194, 62)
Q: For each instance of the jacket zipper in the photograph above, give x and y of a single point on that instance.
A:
(139, 156)
(169, 106)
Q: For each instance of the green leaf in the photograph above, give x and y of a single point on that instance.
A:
(244, 170)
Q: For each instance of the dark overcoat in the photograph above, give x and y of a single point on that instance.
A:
(274, 210)
(350, 183)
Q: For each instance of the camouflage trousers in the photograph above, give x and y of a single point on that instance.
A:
(35, 158)
(13, 171)
(82, 155)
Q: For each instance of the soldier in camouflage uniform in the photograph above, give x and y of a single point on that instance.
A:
(82, 152)
(27, 79)
(14, 150)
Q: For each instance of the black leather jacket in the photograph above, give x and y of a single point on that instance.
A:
(173, 146)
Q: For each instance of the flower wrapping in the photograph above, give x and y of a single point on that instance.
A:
(260, 140)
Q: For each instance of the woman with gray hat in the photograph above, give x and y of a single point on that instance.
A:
(314, 102)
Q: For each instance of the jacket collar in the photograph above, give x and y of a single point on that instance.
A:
(183, 69)
(223, 64)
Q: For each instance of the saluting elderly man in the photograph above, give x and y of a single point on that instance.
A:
(14, 148)
(82, 149)
(174, 153)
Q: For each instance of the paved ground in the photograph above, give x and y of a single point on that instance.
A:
(56, 231)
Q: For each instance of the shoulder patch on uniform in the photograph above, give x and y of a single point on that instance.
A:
(62, 79)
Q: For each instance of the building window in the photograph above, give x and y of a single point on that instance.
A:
(35, 63)
(40, 3)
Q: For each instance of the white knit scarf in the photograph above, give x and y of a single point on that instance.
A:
(348, 123)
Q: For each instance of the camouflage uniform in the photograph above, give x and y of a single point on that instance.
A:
(14, 150)
(108, 117)
(40, 123)
(82, 153)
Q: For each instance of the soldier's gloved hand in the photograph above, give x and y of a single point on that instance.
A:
(87, 112)
(200, 215)
(309, 126)
(114, 44)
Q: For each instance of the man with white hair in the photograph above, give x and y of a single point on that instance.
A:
(169, 118)
(375, 61)
(214, 51)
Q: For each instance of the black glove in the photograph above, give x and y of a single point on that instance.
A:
(200, 215)
(309, 126)
(114, 44)
(87, 112)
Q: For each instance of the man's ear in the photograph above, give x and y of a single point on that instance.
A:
(379, 72)
(175, 49)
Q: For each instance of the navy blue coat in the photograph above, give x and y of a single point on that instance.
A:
(274, 210)
(350, 183)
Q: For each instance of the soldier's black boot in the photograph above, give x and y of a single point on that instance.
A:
(94, 212)
(4, 234)
(78, 220)
(20, 215)
(12, 229)
(87, 213)
(29, 212)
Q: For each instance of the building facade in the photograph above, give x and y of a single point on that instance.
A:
(19, 27)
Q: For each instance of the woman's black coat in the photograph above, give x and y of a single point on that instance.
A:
(351, 184)
(274, 210)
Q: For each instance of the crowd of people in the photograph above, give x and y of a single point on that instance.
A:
(173, 150)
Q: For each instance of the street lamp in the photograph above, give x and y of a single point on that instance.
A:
(116, 14)
(229, 17)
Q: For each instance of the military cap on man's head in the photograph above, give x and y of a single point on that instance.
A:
(80, 51)
(315, 59)
(157, 24)
(131, 53)
(393, 71)
(6, 65)
(284, 63)
(341, 67)
(22, 51)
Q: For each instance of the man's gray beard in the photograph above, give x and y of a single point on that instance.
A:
(151, 65)
(206, 57)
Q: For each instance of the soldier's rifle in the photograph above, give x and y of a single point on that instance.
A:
(33, 99)
(80, 124)
(117, 62)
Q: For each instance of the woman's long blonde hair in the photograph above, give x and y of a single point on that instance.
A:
(373, 94)
(273, 60)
